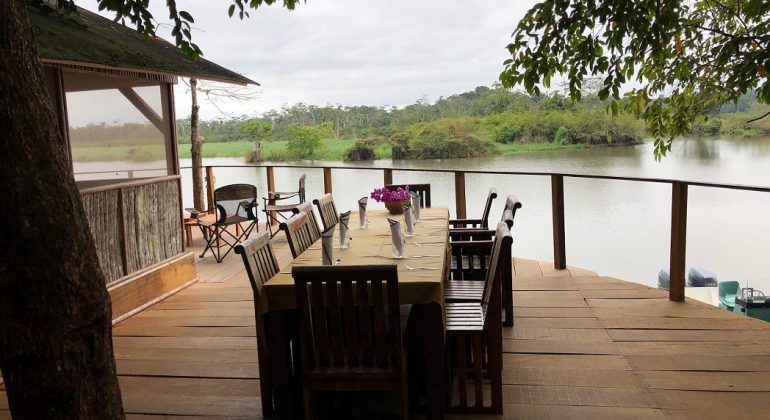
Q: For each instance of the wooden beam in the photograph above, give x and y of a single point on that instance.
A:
(210, 181)
(387, 176)
(557, 210)
(460, 194)
(678, 241)
(144, 108)
(327, 180)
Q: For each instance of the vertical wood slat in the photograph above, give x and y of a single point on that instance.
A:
(320, 332)
(364, 322)
(678, 241)
(351, 332)
(271, 188)
(210, 182)
(387, 176)
(335, 326)
(122, 231)
(460, 195)
(557, 209)
(380, 332)
(327, 180)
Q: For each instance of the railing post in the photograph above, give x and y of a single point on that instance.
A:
(460, 194)
(210, 186)
(130, 174)
(557, 210)
(387, 176)
(678, 241)
(327, 180)
(271, 188)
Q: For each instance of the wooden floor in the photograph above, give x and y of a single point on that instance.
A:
(583, 347)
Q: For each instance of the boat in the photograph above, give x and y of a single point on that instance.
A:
(753, 303)
(701, 284)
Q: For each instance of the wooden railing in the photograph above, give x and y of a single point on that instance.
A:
(134, 224)
(678, 204)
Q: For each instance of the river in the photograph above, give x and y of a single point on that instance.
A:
(617, 228)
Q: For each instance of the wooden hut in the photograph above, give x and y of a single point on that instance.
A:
(112, 89)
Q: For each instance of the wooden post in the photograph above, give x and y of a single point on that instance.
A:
(271, 188)
(123, 234)
(460, 194)
(678, 241)
(557, 210)
(270, 178)
(130, 174)
(327, 180)
(388, 176)
(210, 186)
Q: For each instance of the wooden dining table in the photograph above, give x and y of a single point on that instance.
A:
(421, 276)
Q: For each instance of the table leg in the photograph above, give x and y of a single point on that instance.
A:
(435, 375)
(278, 354)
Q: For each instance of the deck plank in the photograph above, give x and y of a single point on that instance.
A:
(526, 268)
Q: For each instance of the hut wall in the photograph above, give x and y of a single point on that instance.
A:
(135, 225)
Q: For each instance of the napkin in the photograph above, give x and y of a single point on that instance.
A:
(327, 247)
(409, 220)
(362, 212)
(416, 206)
(344, 220)
(398, 240)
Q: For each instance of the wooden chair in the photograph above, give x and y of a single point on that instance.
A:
(474, 341)
(327, 210)
(306, 208)
(470, 262)
(350, 332)
(423, 189)
(298, 234)
(275, 205)
(483, 222)
(261, 264)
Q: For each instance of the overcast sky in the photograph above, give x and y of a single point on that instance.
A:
(351, 52)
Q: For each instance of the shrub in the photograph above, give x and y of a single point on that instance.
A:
(303, 142)
(508, 133)
(363, 149)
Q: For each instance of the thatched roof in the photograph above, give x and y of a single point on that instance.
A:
(96, 41)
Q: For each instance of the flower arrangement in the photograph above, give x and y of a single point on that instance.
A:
(384, 194)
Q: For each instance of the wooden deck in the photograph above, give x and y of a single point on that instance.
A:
(583, 346)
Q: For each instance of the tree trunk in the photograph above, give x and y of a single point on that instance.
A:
(196, 149)
(55, 313)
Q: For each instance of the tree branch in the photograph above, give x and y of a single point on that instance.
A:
(758, 118)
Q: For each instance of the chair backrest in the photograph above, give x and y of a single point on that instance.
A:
(422, 189)
(301, 189)
(487, 207)
(259, 261)
(507, 218)
(501, 246)
(327, 210)
(348, 317)
(512, 203)
(315, 231)
(298, 233)
(236, 200)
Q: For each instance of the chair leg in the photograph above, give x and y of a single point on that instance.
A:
(265, 386)
(309, 405)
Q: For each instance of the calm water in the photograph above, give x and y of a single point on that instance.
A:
(617, 228)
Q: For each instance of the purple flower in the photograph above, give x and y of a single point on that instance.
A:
(384, 194)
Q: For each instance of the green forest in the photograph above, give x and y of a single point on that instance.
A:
(481, 122)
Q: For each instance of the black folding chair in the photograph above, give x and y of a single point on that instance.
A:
(275, 204)
(235, 204)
